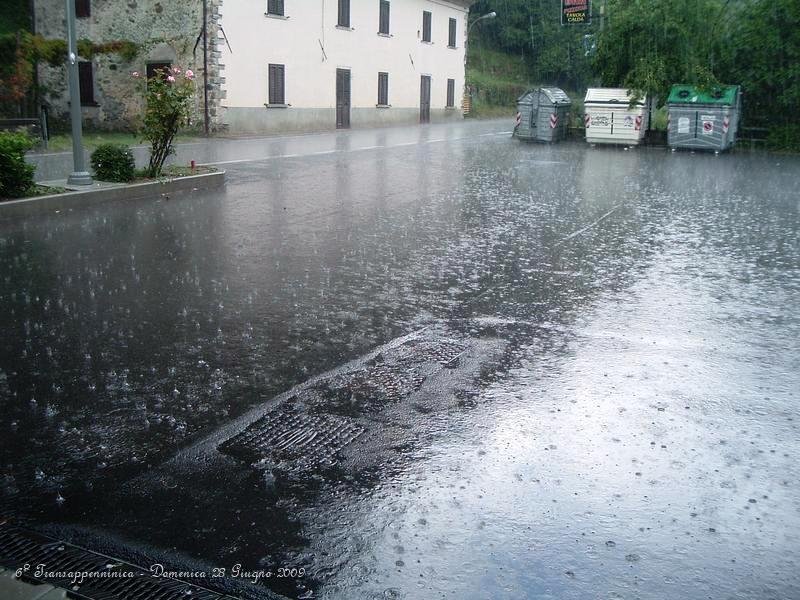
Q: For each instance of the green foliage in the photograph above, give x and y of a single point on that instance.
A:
(649, 45)
(168, 106)
(784, 137)
(16, 176)
(495, 79)
(531, 30)
(20, 51)
(113, 162)
(765, 59)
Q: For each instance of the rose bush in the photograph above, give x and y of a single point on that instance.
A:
(168, 97)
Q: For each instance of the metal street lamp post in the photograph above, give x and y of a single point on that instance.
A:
(490, 15)
(79, 176)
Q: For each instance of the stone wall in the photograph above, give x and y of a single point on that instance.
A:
(166, 30)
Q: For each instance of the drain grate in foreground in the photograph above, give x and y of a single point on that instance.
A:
(284, 435)
(88, 575)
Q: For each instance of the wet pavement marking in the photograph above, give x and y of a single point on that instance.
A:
(322, 152)
(589, 226)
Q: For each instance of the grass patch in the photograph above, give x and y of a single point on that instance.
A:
(63, 142)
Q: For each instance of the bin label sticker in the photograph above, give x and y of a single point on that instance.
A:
(683, 125)
(600, 120)
(708, 124)
(628, 121)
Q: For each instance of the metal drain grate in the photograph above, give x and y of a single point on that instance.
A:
(314, 426)
(59, 564)
(390, 377)
(284, 435)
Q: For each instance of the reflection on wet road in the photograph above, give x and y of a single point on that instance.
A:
(620, 422)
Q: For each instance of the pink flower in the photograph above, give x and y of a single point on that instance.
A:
(176, 70)
(170, 78)
(189, 74)
(135, 74)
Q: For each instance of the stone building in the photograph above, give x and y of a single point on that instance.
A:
(274, 65)
(166, 32)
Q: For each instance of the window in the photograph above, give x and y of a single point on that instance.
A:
(451, 93)
(426, 26)
(383, 89)
(86, 82)
(451, 40)
(383, 23)
(275, 7)
(277, 84)
(83, 9)
(344, 13)
(157, 69)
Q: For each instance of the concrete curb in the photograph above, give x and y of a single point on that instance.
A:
(77, 199)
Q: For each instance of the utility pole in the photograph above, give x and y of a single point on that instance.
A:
(205, 68)
(79, 175)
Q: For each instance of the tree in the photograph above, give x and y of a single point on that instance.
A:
(764, 57)
(649, 45)
(532, 29)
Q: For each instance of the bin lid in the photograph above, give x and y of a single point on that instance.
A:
(526, 98)
(612, 96)
(690, 94)
(556, 95)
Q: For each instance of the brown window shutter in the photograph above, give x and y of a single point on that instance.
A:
(426, 26)
(83, 9)
(277, 84)
(383, 89)
(86, 82)
(344, 13)
(383, 26)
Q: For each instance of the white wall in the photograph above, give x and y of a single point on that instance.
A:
(258, 40)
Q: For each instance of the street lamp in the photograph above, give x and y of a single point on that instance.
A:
(490, 15)
(79, 176)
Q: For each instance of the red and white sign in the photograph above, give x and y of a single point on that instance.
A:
(708, 124)
(518, 119)
(587, 120)
(553, 121)
(638, 123)
(726, 123)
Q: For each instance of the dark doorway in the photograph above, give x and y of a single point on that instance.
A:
(342, 98)
(425, 99)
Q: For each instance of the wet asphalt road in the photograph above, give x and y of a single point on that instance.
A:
(623, 424)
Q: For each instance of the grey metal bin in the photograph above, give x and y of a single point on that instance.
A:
(703, 119)
(542, 114)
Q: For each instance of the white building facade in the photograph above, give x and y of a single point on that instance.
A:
(304, 65)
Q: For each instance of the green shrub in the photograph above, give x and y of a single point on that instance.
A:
(113, 162)
(16, 176)
(784, 137)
